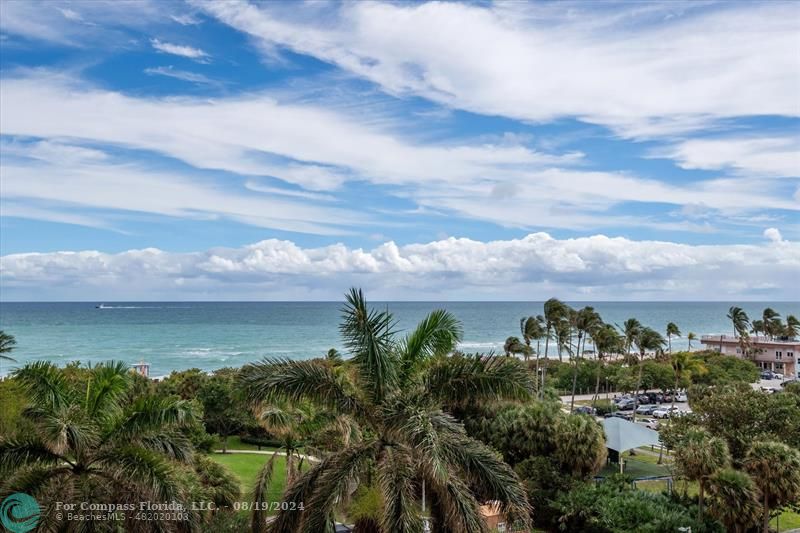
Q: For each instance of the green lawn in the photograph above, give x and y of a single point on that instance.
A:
(788, 521)
(246, 467)
(639, 466)
(235, 443)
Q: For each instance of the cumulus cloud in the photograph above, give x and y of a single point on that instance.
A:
(179, 50)
(534, 267)
(773, 234)
(642, 71)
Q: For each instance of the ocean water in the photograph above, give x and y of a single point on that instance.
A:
(210, 335)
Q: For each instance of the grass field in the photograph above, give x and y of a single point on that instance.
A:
(235, 443)
(246, 467)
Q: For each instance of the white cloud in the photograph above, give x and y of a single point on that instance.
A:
(774, 235)
(321, 149)
(759, 156)
(179, 50)
(536, 266)
(185, 75)
(642, 71)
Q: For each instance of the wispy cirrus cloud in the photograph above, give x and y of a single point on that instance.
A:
(184, 75)
(181, 50)
(643, 71)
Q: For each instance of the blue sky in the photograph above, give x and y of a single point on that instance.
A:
(322, 135)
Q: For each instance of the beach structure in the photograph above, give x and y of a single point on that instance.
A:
(142, 368)
(778, 354)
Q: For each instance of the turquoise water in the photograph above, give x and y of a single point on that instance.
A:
(211, 335)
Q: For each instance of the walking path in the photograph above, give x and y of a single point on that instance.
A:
(267, 452)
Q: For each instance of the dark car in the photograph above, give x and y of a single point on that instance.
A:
(586, 410)
(626, 406)
(655, 397)
(644, 398)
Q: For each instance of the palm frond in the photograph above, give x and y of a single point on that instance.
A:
(145, 468)
(45, 384)
(31, 479)
(369, 336)
(459, 509)
(151, 413)
(172, 444)
(294, 381)
(339, 471)
(395, 478)
(15, 453)
(461, 379)
(107, 385)
(437, 334)
(297, 495)
(258, 518)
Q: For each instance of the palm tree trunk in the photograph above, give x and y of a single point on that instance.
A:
(638, 385)
(597, 379)
(575, 375)
(289, 466)
(669, 340)
(766, 515)
(544, 370)
(224, 443)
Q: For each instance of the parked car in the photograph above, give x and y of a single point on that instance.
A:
(586, 410)
(667, 397)
(626, 406)
(644, 398)
(653, 424)
(655, 397)
(624, 416)
(766, 374)
(665, 412)
(645, 409)
(681, 397)
(620, 399)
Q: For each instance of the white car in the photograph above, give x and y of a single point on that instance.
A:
(681, 397)
(665, 412)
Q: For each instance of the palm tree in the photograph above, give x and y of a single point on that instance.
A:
(771, 322)
(606, 341)
(733, 499)
(758, 327)
(646, 340)
(92, 443)
(740, 321)
(684, 365)
(394, 389)
(775, 469)
(586, 321)
(792, 329)
(532, 328)
(672, 329)
(698, 457)
(691, 337)
(630, 330)
(515, 346)
(7, 344)
(554, 312)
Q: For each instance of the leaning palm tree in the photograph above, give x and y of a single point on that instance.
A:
(775, 469)
(606, 341)
(554, 312)
(771, 322)
(672, 330)
(758, 327)
(586, 321)
(646, 340)
(515, 346)
(394, 389)
(698, 457)
(7, 344)
(691, 336)
(532, 328)
(91, 443)
(630, 329)
(740, 321)
(792, 328)
(733, 499)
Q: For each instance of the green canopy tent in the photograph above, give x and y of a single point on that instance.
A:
(622, 435)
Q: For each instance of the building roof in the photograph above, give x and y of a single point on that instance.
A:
(622, 435)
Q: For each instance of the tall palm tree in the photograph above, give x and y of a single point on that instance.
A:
(646, 340)
(758, 327)
(532, 328)
(630, 330)
(684, 365)
(775, 469)
(771, 322)
(586, 321)
(691, 336)
(515, 346)
(606, 341)
(394, 389)
(672, 329)
(740, 321)
(91, 443)
(733, 499)
(554, 312)
(698, 457)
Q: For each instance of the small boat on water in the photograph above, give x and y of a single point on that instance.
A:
(101, 306)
